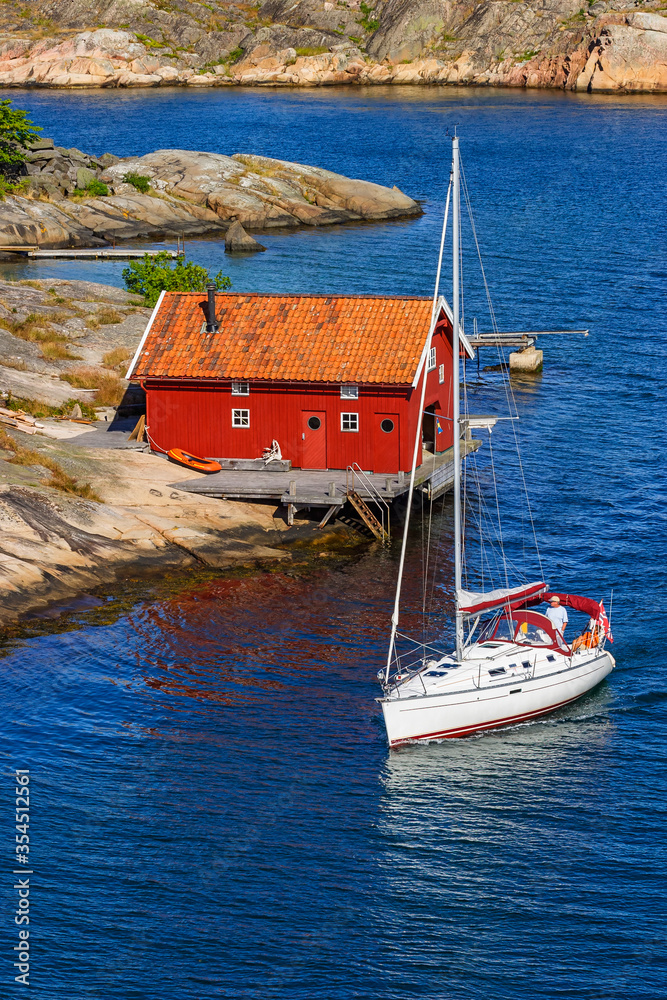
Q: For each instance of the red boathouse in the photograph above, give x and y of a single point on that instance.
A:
(335, 379)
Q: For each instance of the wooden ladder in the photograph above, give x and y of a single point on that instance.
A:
(367, 516)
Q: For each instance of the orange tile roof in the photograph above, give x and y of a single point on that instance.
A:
(301, 338)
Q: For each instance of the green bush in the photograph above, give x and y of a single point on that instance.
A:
(151, 275)
(17, 132)
(367, 22)
(138, 181)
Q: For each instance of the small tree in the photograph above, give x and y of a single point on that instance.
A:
(151, 275)
(16, 134)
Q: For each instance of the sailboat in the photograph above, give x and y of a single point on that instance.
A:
(511, 662)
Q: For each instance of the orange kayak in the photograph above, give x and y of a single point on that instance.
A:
(192, 461)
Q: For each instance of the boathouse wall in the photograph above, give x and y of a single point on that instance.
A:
(205, 417)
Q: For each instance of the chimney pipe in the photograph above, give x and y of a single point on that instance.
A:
(211, 324)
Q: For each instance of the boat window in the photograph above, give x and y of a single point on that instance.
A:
(551, 659)
(435, 673)
(525, 663)
(497, 670)
(532, 634)
(490, 645)
(505, 630)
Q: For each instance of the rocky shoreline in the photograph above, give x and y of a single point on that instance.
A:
(119, 511)
(607, 46)
(55, 546)
(74, 199)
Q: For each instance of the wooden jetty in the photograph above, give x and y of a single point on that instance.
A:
(96, 253)
(520, 339)
(331, 489)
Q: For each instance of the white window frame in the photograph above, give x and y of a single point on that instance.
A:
(240, 418)
(349, 392)
(349, 418)
(441, 374)
(240, 388)
(432, 360)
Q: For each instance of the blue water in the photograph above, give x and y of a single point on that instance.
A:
(215, 810)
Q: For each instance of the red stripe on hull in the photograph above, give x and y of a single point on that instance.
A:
(469, 730)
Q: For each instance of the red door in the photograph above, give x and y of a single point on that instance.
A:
(386, 451)
(313, 439)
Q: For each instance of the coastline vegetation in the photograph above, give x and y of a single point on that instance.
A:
(59, 479)
(151, 275)
(17, 132)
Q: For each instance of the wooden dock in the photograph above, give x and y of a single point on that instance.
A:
(330, 489)
(96, 253)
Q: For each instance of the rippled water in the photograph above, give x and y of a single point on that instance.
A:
(215, 811)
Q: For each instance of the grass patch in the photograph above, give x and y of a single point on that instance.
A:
(13, 187)
(528, 55)
(57, 351)
(38, 410)
(233, 56)
(149, 42)
(110, 389)
(116, 357)
(138, 181)
(312, 50)
(104, 318)
(59, 479)
(34, 329)
(367, 22)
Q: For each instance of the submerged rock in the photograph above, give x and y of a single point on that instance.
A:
(238, 241)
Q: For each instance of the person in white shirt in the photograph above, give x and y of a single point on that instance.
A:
(557, 614)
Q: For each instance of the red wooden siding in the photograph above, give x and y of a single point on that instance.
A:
(196, 415)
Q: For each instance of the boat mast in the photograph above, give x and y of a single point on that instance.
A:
(417, 456)
(456, 414)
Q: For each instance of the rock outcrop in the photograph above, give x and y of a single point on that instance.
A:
(54, 545)
(186, 193)
(238, 241)
(51, 330)
(607, 45)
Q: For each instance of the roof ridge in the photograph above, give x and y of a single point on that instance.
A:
(310, 295)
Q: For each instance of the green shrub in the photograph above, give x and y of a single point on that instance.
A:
(367, 22)
(151, 275)
(16, 134)
(138, 181)
(234, 56)
(149, 42)
(97, 188)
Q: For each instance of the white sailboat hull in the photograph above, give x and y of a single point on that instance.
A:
(458, 713)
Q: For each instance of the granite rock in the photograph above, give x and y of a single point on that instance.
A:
(238, 241)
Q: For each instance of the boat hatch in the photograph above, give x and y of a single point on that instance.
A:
(496, 671)
(435, 673)
(525, 663)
